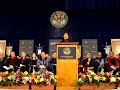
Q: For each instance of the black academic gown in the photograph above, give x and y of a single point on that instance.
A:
(33, 62)
(2, 63)
(92, 63)
(13, 62)
(25, 62)
(52, 65)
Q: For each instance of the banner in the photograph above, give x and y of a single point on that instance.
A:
(26, 46)
(89, 45)
(115, 46)
(8, 50)
(2, 46)
(52, 45)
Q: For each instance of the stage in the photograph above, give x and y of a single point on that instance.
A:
(51, 87)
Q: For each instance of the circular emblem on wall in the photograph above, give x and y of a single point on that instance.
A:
(59, 19)
(66, 51)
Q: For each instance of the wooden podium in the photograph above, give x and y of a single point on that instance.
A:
(67, 66)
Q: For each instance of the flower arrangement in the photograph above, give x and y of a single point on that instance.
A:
(16, 78)
(92, 78)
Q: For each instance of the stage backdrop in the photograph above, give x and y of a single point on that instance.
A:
(115, 46)
(26, 46)
(52, 45)
(89, 45)
(2, 46)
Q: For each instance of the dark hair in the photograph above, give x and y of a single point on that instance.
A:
(53, 52)
(68, 36)
(87, 52)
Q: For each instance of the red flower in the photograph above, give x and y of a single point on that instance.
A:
(81, 74)
(6, 78)
(8, 73)
(32, 81)
(3, 76)
(106, 80)
(86, 73)
(109, 76)
(86, 78)
(48, 74)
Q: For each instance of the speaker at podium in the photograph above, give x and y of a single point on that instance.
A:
(67, 66)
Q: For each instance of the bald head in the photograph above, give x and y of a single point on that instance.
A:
(99, 55)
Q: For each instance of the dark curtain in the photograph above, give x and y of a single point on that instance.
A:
(32, 21)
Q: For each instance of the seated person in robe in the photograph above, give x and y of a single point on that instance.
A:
(24, 62)
(2, 62)
(43, 60)
(52, 63)
(33, 62)
(12, 61)
(89, 63)
(101, 62)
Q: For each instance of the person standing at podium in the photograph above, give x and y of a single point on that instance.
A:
(66, 37)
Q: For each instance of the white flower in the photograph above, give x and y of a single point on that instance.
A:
(103, 78)
(90, 79)
(24, 81)
(13, 77)
(118, 78)
(0, 79)
(41, 79)
(112, 79)
(26, 78)
(96, 77)
(80, 80)
(91, 72)
(17, 80)
(48, 82)
(52, 77)
(9, 77)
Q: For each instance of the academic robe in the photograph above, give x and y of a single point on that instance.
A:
(102, 63)
(33, 62)
(112, 61)
(25, 62)
(2, 63)
(92, 63)
(52, 65)
(12, 61)
(43, 61)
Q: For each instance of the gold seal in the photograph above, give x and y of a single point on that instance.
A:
(59, 19)
(66, 51)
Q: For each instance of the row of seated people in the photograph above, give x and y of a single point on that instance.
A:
(110, 64)
(26, 63)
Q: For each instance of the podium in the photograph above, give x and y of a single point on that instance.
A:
(67, 66)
